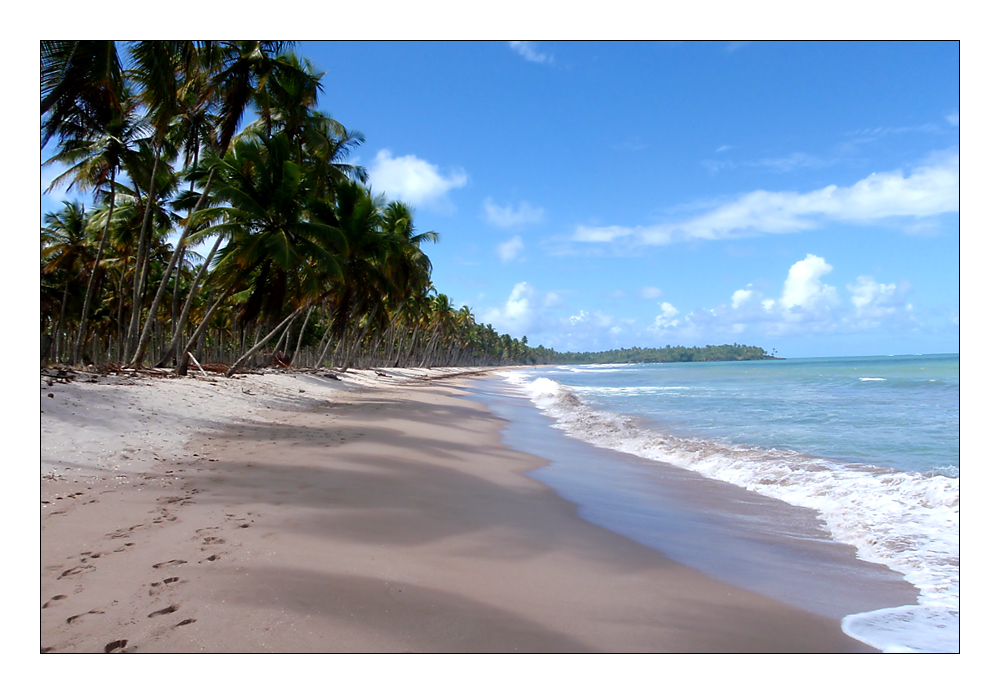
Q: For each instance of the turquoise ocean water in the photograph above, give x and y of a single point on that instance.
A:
(870, 444)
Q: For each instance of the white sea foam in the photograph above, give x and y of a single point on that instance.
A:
(904, 520)
(871, 379)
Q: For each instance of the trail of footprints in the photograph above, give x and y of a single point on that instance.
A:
(209, 541)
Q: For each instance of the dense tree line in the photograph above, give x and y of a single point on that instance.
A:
(304, 262)
(650, 355)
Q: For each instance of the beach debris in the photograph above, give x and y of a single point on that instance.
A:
(197, 364)
(58, 374)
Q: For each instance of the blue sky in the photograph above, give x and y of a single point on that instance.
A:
(795, 196)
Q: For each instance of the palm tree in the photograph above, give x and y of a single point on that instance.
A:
(235, 72)
(98, 142)
(261, 204)
(66, 249)
(156, 68)
(79, 79)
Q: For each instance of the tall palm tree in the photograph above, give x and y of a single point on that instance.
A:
(237, 73)
(156, 69)
(97, 143)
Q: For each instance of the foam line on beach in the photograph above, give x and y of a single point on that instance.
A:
(906, 521)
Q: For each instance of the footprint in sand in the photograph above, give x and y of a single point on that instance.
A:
(186, 621)
(116, 645)
(75, 617)
(165, 610)
(86, 568)
(54, 598)
(172, 562)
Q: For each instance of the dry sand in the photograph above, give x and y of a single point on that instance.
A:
(281, 513)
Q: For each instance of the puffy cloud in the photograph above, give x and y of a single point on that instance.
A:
(411, 179)
(650, 293)
(666, 318)
(803, 288)
(805, 306)
(510, 250)
(929, 190)
(526, 49)
(517, 315)
(506, 216)
(873, 300)
(741, 296)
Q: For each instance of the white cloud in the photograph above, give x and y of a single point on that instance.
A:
(741, 296)
(510, 250)
(803, 288)
(929, 190)
(517, 315)
(506, 217)
(806, 306)
(600, 234)
(666, 318)
(873, 300)
(411, 179)
(526, 49)
(952, 118)
(650, 293)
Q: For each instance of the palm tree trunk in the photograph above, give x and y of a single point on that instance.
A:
(354, 348)
(298, 344)
(182, 361)
(173, 302)
(140, 349)
(182, 321)
(142, 256)
(59, 324)
(249, 352)
(82, 332)
(325, 345)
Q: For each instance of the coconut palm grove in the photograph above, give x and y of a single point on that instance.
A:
(234, 245)
(302, 262)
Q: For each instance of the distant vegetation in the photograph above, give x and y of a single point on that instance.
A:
(654, 355)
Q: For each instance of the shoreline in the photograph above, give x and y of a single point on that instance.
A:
(385, 519)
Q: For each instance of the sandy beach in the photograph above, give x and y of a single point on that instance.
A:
(295, 513)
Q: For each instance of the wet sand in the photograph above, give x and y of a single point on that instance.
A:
(381, 519)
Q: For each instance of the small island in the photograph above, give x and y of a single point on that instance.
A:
(661, 355)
